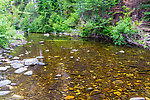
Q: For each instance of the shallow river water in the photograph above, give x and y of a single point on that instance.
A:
(81, 69)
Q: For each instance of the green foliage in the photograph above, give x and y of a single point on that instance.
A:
(124, 29)
(146, 6)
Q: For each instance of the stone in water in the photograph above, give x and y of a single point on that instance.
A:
(28, 73)
(20, 70)
(4, 82)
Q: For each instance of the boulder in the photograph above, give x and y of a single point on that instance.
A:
(29, 62)
(4, 82)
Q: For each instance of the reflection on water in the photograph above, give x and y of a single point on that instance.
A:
(82, 69)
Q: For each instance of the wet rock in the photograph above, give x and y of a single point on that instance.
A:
(47, 50)
(89, 89)
(122, 51)
(16, 58)
(2, 93)
(74, 50)
(71, 57)
(58, 75)
(20, 70)
(39, 57)
(137, 98)
(4, 82)
(5, 60)
(10, 87)
(29, 62)
(88, 50)
(10, 56)
(16, 96)
(7, 48)
(41, 42)
(13, 84)
(7, 66)
(41, 63)
(3, 68)
(1, 63)
(17, 65)
(1, 57)
(28, 73)
(21, 55)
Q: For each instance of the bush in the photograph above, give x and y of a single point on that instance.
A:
(125, 29)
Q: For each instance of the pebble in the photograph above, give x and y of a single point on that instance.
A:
(58, 75)
(137, 98)
(20, 70)
(41, 42)
(3, 68)
(88, 50)
(74, 50)
(71, 57)
(28, 73)
(2, 93)
(13, 84)
(47, 50)
(122, 51)
(4, 82)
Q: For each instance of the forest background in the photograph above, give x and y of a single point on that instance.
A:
(115, 20)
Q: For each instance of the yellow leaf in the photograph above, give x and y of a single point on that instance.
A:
(69, 97)
(117, 93)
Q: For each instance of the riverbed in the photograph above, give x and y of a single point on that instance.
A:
(81, 69)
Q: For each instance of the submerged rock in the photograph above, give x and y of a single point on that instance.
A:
(4, 82)
(28, 73)
(20, 70)
(29, 62)
(138, 98)
(2, 93)
(16, 96)
(3, 68)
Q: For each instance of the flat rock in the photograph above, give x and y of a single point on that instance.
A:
(3, 68)
(2, 93)
(20, 70)
(7, 66)
(17, 65)
(16, 58)
(29, 62)
(4, 82)
(137, 98)
(28, 73)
